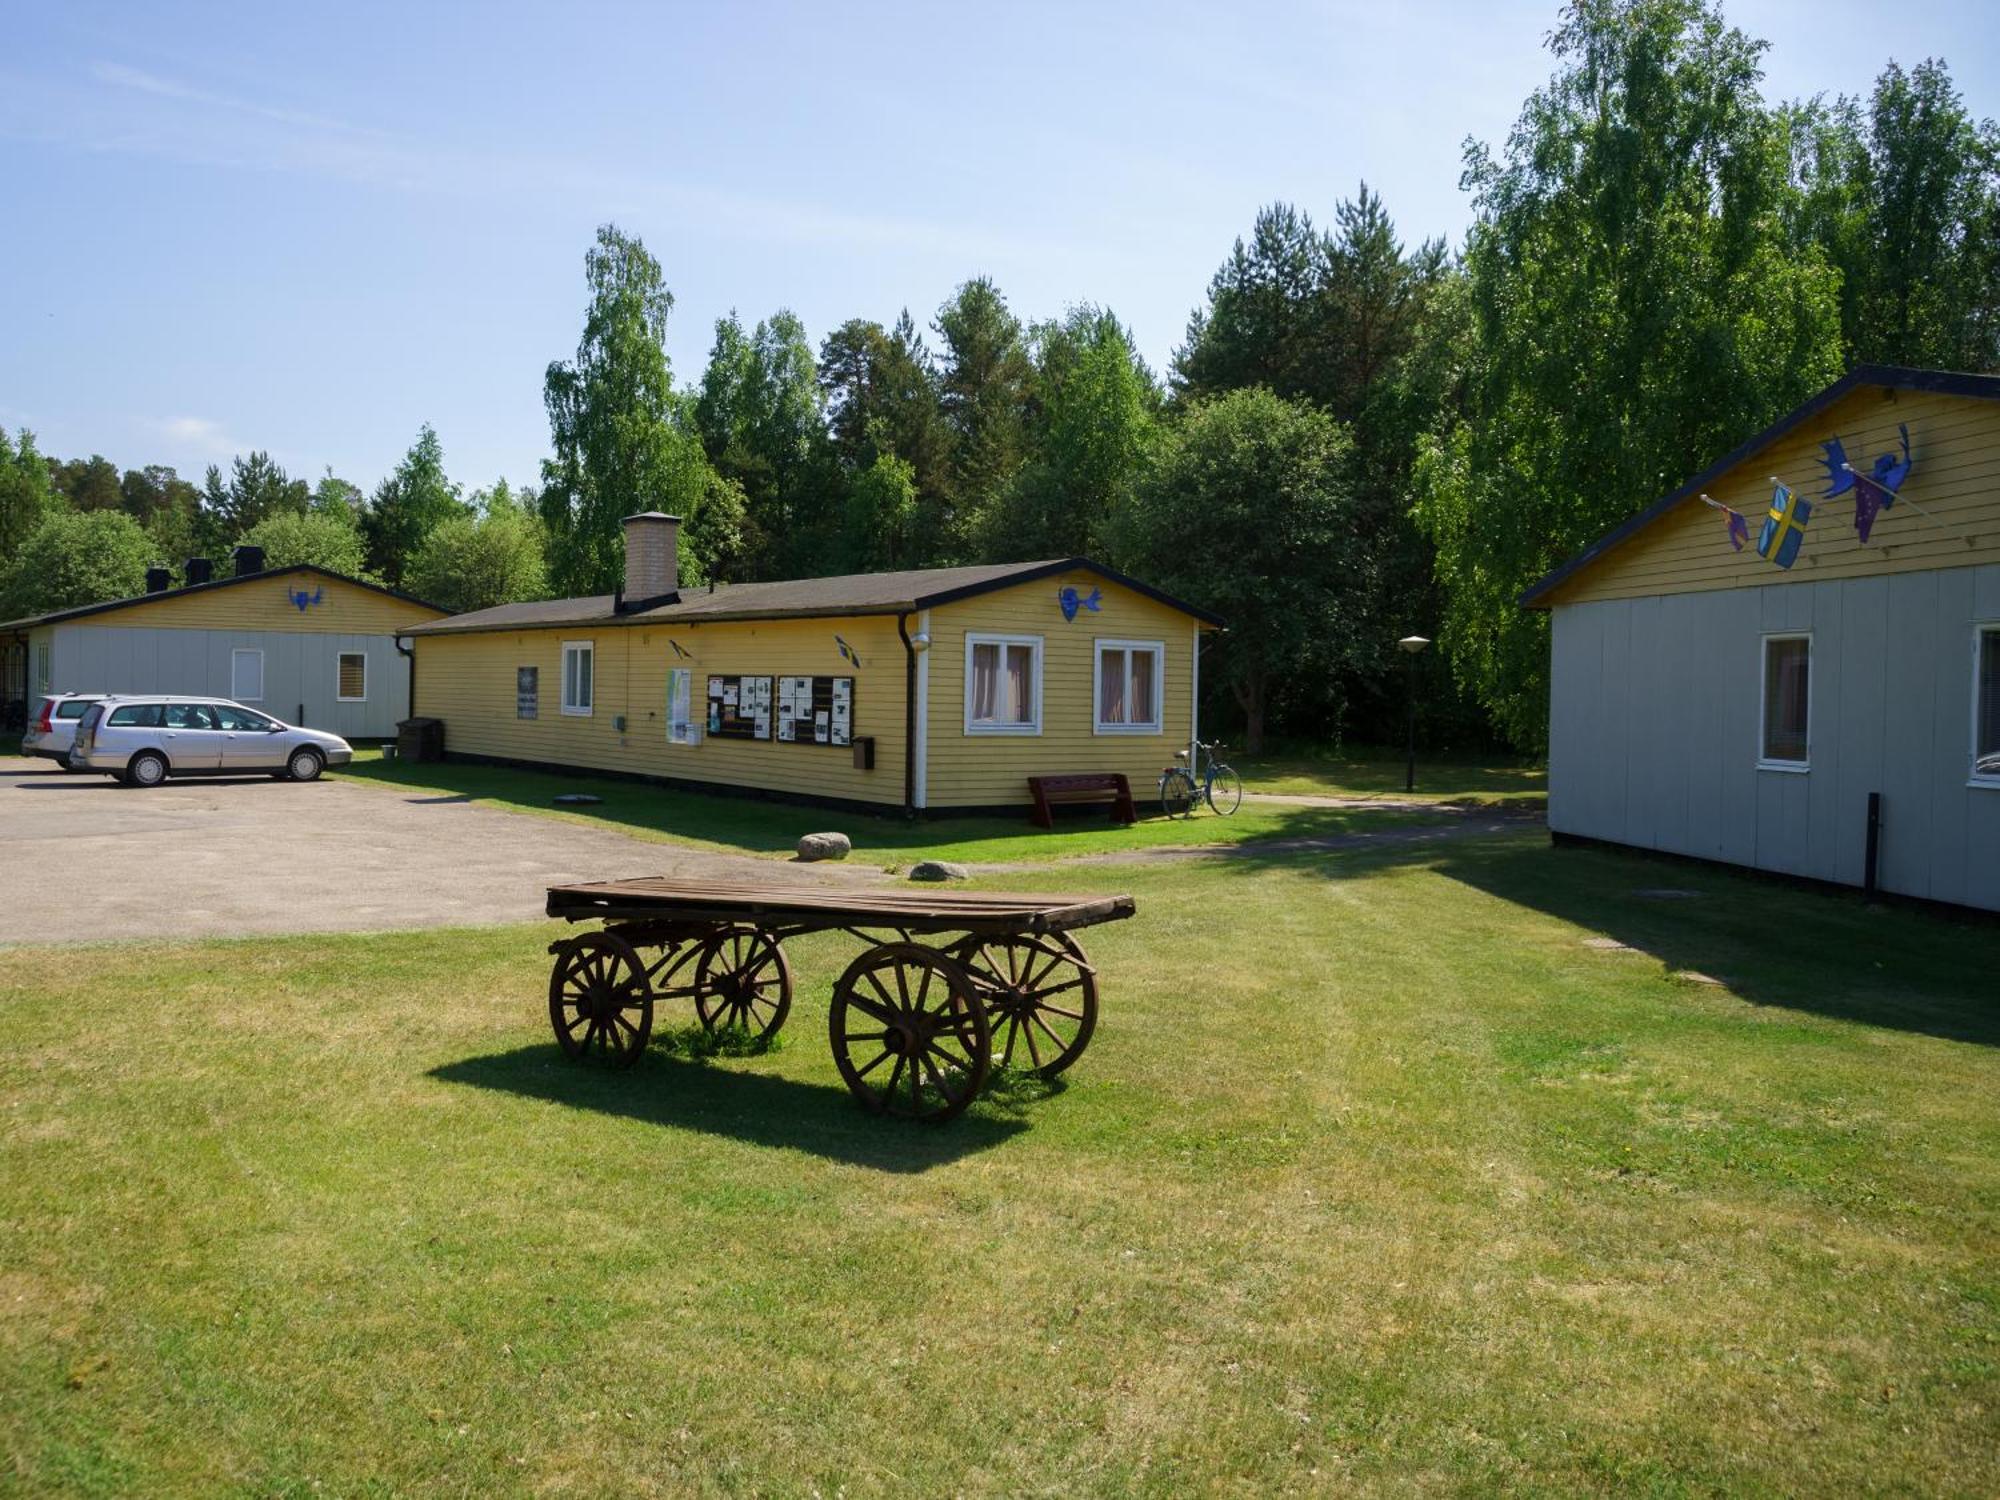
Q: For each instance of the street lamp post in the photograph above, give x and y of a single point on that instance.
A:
(1412, 647)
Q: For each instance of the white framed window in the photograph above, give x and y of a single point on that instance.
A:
(579, 677)
(43, 670)
(1785, 738)
(246, 675)
(1125, 696)
(353, 674)
(1003, 684)
(1986, 705)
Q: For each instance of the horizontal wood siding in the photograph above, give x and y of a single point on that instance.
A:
(992, 770)
(468, 681)
(1655, 724)
(1955, 476)
(266, 604)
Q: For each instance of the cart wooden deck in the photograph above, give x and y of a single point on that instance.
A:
(914, 1026)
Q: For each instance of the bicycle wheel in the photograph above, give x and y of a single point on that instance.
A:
(1177, 794)
(1225, 790)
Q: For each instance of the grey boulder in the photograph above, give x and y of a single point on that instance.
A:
(816, 846)
(939, 869)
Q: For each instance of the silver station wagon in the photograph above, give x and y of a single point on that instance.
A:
(142, 739)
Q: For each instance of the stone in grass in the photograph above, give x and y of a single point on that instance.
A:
(1608, 945)
(578, 799)
(816, 846)
(939, 869)
(1667, 893)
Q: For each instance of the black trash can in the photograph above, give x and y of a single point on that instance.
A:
(420, 739)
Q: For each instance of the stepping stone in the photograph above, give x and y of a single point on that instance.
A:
(578, 799)
(1608, 945)
(1692, 976)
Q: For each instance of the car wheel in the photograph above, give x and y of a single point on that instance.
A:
(305, 765)
(147, 768)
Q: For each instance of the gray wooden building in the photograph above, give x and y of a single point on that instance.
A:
(306, 645)
(1706, 701)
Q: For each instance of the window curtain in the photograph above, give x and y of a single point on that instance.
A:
(1144, 710)
(1785, 712)
(1111, 687)
(985, 683)
(1020, 684)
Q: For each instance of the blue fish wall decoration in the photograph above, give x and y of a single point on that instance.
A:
(1071, 601)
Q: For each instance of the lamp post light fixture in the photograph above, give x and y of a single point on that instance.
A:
(1412, 646)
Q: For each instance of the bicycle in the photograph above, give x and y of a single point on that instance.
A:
(1218, 785)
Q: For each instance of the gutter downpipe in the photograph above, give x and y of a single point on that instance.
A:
(909, 716)
(410, 653)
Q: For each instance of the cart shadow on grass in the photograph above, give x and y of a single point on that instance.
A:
(675, 1085)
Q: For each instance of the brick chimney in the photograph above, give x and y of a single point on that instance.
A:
(652, 557)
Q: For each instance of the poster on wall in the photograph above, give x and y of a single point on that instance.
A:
(527, 692)
(680, 707)
(815, 710)
(733, 711)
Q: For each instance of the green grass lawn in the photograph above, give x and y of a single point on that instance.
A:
(750, 826)
(1375, 1178)
(1364, 771)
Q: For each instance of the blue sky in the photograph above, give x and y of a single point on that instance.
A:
(310, 228)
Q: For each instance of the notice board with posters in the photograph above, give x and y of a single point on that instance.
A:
(739, 708)
(816, 710)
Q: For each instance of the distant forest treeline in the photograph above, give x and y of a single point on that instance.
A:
(1356, 440)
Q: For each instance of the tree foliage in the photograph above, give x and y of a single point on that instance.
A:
(622, 440)
(1636, 309)
(26, 496)
(474, 563)
(74, 558)
(325, 540)
(1249, 512)
(408, 506)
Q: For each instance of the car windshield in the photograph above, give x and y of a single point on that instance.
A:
(243, 718)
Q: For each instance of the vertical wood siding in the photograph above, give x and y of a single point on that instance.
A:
(301, 670)
(1656, 717)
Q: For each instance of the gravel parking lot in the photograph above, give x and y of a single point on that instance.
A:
(83, 859)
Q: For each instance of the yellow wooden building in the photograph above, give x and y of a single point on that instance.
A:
(301, 643)
(1831, 711)
(939, 688)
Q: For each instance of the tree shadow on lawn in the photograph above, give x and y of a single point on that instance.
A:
(1829, 953)
(760, 1109)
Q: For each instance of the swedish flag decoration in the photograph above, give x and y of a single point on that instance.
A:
(1784, 528)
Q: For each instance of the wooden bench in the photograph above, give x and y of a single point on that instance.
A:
(1082, 786)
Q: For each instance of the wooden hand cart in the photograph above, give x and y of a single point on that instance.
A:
(914, 1025)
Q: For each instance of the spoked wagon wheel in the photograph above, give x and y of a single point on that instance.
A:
(743, 981)
(1040, 994)
(600, 1002)
(909, 1035)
